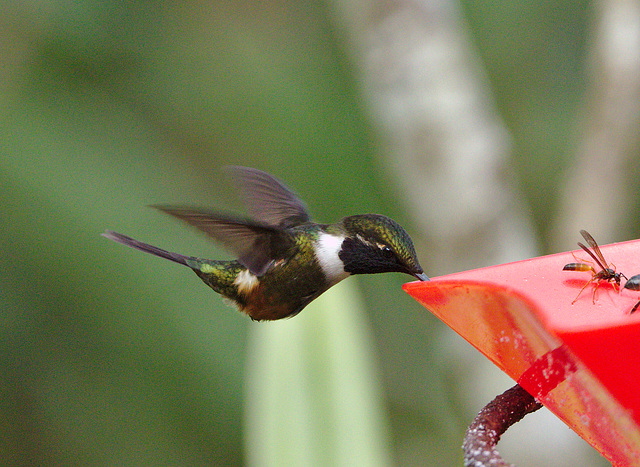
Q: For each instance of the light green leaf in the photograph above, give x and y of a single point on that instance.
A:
(313, 395)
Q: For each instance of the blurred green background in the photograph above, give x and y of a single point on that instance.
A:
(111, 357)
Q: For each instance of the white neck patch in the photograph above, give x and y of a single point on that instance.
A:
(327, 249)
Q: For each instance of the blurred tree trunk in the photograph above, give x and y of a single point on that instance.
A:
(598, 191)
(442, 139)
(446, 147)
(449, 151)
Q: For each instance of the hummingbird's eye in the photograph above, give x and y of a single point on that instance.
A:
(387, 252)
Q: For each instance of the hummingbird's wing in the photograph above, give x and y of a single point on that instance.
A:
(257, 245)
(268, 199)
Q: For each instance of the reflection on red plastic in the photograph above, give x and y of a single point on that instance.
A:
(582, 361)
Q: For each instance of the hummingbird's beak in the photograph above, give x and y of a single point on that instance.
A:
(422, 276)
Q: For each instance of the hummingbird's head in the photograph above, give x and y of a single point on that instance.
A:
(376, 243)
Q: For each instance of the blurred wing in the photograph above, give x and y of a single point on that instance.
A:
(267, 199)
(256, 245)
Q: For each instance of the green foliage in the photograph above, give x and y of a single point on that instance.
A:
(114, 357)
(313, 389)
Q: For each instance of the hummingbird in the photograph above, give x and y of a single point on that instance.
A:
(284, 260)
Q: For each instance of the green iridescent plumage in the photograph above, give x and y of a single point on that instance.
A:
(284, 260)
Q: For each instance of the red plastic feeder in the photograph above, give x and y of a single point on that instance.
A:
(581, 360)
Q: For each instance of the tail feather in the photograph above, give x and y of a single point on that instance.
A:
(154, 250)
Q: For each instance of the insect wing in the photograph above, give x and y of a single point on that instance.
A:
(594, 257)
(592, 243)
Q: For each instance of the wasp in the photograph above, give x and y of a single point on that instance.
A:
(606, 273)
(633, 284)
